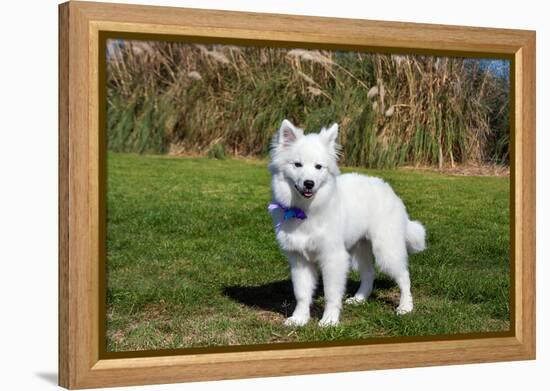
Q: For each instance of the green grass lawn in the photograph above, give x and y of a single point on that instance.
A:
(192, 258)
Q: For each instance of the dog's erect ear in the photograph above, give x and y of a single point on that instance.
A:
(330, 135)
(288, 133)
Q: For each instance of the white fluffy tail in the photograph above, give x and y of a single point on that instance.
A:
(415, 237)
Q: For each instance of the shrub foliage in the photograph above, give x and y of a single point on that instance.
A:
(392, 109)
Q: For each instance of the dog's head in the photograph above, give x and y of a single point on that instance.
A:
(305, 161)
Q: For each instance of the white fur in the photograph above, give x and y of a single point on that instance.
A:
(350, 217)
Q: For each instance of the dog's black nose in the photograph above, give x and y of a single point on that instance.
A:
(309, 184)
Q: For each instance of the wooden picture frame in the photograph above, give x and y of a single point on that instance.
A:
(83, 364)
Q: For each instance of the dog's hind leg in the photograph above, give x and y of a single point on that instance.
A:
(406, 301)
(362, 256)
(391, 257)
(304, 279)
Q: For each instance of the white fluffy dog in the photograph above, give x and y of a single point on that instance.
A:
(324, 220)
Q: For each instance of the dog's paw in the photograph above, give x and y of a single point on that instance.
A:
(329, 320)
(355, 300)
(404, 308)
(294, 321)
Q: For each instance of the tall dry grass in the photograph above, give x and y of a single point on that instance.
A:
(218, 100)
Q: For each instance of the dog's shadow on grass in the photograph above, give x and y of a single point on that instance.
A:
(278, 296)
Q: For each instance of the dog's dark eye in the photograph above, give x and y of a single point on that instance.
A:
(318, 166)
(297, 164)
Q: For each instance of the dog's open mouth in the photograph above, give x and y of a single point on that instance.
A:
(304, 193)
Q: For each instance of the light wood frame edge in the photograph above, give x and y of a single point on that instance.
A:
(79, 363)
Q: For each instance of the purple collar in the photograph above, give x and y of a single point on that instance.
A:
(289, 212)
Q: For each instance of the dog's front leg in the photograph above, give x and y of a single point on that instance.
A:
(334, 268)
(304, 280)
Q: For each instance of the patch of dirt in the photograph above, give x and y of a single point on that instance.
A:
(270, 316)
(117, 336)
(390, 296)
